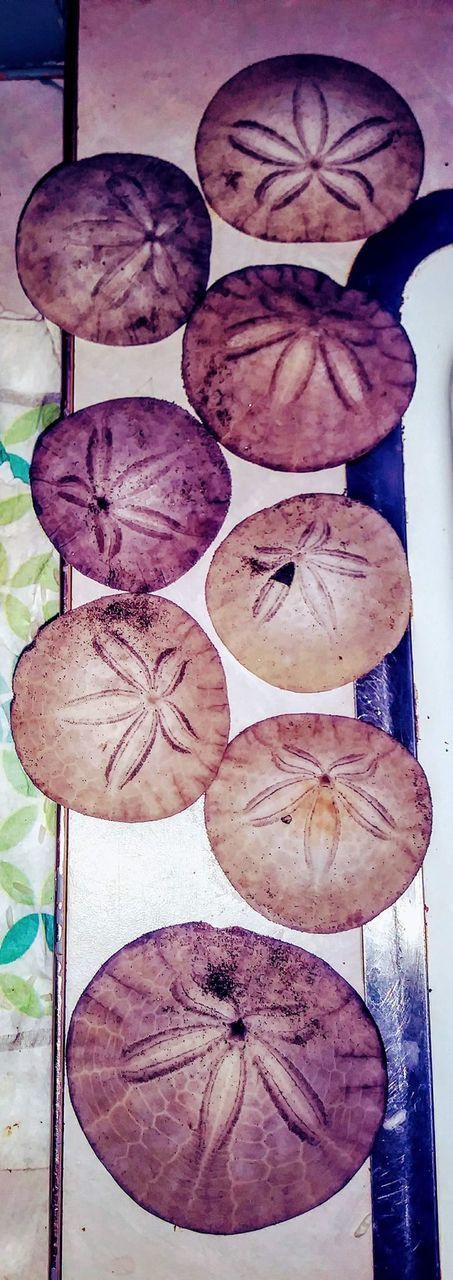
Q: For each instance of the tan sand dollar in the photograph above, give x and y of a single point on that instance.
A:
(120, 709)
(308, 147)
(320, 822)
(226, 1081)
(311, 593)
(293, 372)
(115, 248)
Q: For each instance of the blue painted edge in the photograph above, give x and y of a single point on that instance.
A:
(403, 1169)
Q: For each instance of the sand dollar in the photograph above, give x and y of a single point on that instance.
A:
(320, 822)
(115, 248)
(311, 593)
(225, 1080)
(291, 371)
(120, 709)
(130, 491)
(308, 147)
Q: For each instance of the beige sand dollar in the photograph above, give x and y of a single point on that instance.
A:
(320, 822)
(120, 709)
(308, 147)
(311, 593)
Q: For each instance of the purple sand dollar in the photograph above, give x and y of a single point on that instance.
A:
(292, 371)
(115, 248)
(226, 1081)
(130, 491)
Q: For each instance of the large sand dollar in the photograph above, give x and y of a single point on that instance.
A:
(120, 709)
(225, 1080)
(115, 248)
(320, 822)
(311, 593)
(291, 371)
(130, 491)
(308, 147)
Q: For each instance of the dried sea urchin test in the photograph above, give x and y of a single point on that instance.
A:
(115, 248)
(309, 148)
(120, 709)
(292, 371)
(311, 593)
(320, 822)
(225, 1080)
(130, 491)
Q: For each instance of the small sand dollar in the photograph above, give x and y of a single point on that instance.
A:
(225, 1080)
(130, 491)
(291, 371)
(120, 709)
(311, 593)
(308, 147)
(115, 248)
(320, 822)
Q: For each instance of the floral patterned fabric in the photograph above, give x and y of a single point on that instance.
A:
(30, 144)
(28, 597)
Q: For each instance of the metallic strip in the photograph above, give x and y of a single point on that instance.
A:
(59, 987)
(403, 1169)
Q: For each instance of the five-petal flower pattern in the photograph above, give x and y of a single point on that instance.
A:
(313, 153)
(291, 370)
(137, 238)
(143, 700)
(323, 791)
(114, 502)
(235, 1042)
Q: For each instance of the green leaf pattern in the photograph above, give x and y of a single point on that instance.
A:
(29, 571)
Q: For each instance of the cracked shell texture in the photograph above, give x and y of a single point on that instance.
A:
(319, 822)
(311, 593)
(115, 248)
(120, 709)
(130, 491)
(225, 1080)
(309, 148)
(292, 371)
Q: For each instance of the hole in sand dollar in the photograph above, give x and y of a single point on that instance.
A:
(335, 617)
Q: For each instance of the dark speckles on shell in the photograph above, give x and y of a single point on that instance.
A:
(115, 248)
(308, 147)
(130, 491)
(227, 1081)
(120, 709)
(292, 371)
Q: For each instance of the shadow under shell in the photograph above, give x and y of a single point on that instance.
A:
(115, 248)
(311, 593)
(130, 491)
(320, 822)
(292, 371)
(226, 1081)
(120, 709)
(309, 148)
